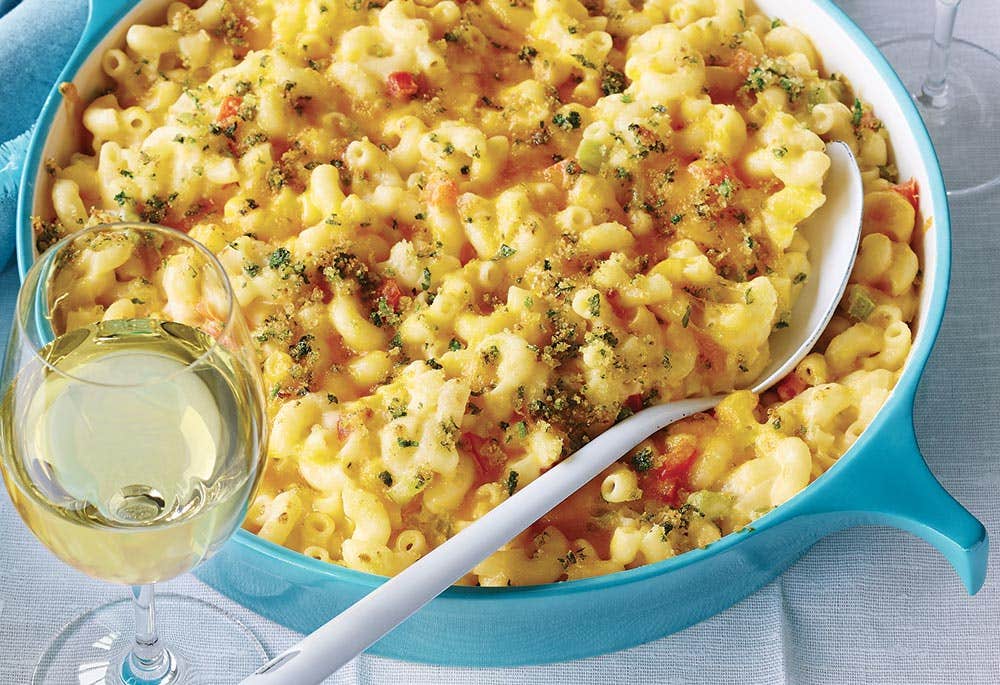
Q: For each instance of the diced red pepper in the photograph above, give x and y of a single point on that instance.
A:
(442, 192)
(715, 174)
(343, 429)
(790, 386)
(669, 481)
(488, 469)
(614, 299)
(348, 422)
(678, 463)
(391, 292)
(402, 85)
(279, 148)
(645, 136)
(467, 253)
(562, 174)
(911, 191)
(634, 402)
(230, 107)
(743, 61)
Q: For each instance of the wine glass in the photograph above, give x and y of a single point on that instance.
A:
(133, 433)
(958, 94)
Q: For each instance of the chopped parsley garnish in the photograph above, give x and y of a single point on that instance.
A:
(584, 62)
(567, 122)
(279, 258)
(301, 349)
(571, 558)
(454, 345)
(228, 131)
(511, 483)
(505, 251)
(404, 442)
(725, 188)
(594, 301)
(383, 313)
(859, 112)
(676, 219)
(799, 278)
(613, 81)
(686, 319)
(433, 363)
(775, 72)
(386, 478)
(275, 178)
(425, 281)
(491, 354)
(609, 338)
(522, 429)
(396, 408)
(155, 208)
(642, 460)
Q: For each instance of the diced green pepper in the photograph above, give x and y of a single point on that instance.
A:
(714, 505)
(590, 155)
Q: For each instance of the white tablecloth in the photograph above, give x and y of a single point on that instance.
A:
(863, 606)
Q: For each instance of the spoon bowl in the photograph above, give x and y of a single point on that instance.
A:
(833, 233)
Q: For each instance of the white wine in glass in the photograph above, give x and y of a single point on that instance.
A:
(132, 445)
(956, 86)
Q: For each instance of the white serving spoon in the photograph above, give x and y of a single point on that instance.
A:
(833, 233)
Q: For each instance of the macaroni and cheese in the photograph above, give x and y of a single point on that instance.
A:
(470, 236)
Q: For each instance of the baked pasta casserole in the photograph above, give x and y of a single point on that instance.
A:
(470, 236)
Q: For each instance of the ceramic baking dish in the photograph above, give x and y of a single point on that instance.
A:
(881, 480)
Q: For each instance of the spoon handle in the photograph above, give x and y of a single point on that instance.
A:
(355, 629)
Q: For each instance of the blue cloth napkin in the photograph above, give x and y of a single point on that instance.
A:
(7, 5)
(36, 39)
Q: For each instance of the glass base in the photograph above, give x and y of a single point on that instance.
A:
(207, 645)
(965, 127)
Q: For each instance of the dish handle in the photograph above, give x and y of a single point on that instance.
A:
(889, 483)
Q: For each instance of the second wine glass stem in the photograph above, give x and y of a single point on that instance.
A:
(934, 91)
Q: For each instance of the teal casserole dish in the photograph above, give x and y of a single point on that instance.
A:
(881, 480)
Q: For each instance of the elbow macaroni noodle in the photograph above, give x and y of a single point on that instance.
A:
(471, 236)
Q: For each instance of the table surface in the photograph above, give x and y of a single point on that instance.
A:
(867, 605)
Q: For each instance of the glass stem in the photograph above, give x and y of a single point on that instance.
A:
(934, 91)
(148, 662)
